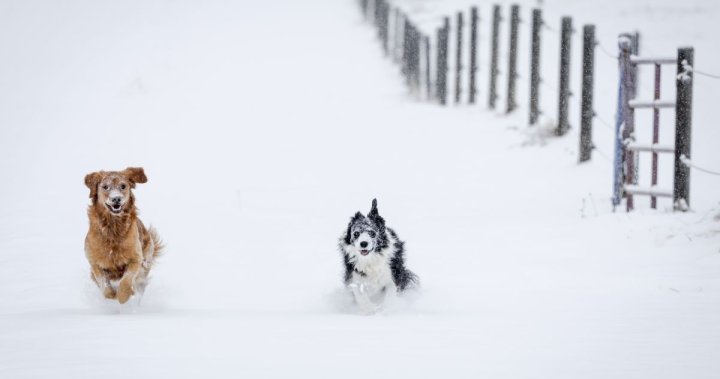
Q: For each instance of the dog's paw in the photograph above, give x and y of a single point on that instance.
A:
(109, 292)
(124, 293)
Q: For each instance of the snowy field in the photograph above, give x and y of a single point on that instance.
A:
(263, 126)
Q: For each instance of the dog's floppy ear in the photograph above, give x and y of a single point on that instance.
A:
(358, 216)
(135, 174)
(91, 181)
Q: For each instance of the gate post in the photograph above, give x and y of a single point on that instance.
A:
(628, 43)
(626, 90)
(683, 123)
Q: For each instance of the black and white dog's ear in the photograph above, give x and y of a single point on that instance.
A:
(348, 236)
(373, 210)
(358, 216)
(375, 216)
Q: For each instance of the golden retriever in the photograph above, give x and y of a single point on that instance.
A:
(120, 249)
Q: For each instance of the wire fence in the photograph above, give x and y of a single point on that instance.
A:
(442, 56)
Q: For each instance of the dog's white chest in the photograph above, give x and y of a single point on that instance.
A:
(373, 273)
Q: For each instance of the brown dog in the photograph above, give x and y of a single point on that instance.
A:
(119, 248)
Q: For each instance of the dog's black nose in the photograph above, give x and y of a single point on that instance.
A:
(363, 244)
(116, 200)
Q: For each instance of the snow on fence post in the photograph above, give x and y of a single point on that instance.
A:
(683, 123)
(622, 107)
(442, 62)
(635, 50)
(512, 59)
(537, 23)
(586, 112)
(492, 93)
(458, 57)
(473, 54)
(428, 91)
(564, 89)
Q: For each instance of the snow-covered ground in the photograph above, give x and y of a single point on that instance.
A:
(264, 126)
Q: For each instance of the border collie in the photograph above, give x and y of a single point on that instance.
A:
(374, 260)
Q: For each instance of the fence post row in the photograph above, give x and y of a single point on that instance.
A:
(564, 88)
(473, 54)
(492, 93)
(683, 124)
(412, 49)
(512, 59)
(537, 23)
(586, 109)
(442, 62)
(458, 57)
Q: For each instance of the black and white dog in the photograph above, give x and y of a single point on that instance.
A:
(374, 260)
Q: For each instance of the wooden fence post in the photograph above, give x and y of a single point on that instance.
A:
(377, 13)
(627, 132)
(415, 58)
(458, 57)
(492, 93)
(563, 99)
(587, 113)
(428, 85)
(473, 54)
(442, 62)
(384, 24)
(405, 67)
(512, 58)
(397, 45)
(537, 23)
(683, 124)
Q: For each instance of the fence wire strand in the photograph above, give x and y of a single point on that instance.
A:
(687, 162)
(548, 27)
(603, 155)
(603, 122)
(605, 51)
(713, 76)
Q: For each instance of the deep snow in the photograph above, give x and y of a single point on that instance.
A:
(263, 127)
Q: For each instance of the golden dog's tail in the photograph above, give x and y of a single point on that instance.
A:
(159, 245)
